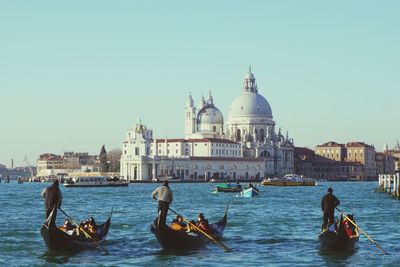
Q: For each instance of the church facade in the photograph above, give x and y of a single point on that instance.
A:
(246, 147)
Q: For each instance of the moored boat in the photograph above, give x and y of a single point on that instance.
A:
(343, 238)
(58, 240)
(170, 239)
(94, 181)
(290, 180)
(228, 188)
(250, 192)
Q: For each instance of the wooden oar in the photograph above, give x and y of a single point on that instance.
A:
(361, 230)
(204, 233)
(87, 235)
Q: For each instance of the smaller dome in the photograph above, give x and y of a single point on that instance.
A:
(210, 115)
(249, 76)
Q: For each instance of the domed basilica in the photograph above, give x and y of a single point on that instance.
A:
(246, 148)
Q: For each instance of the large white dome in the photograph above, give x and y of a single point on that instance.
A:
(250, 104)
(210, 115)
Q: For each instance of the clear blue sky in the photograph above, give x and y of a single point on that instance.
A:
(76, 74)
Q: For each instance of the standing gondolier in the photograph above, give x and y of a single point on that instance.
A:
(52, 197)
(328, 205)
(164, 196)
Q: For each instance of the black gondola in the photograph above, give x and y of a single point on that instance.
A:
(179, 240)
(344, 238)
(58, 240)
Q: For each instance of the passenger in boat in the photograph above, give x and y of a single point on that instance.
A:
(52, 197)
(68, 227)
(178, 224)
(202, 223)
(89, 226)
(164, 196)
(328, 204)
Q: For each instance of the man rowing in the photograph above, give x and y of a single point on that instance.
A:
(52, 197)
(164, 196)
(328, 204)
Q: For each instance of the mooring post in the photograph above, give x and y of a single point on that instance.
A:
(384, 183)
(394, 191)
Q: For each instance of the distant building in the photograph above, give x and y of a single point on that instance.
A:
(75, 160)
(332, 150)
(351, 155)
(385, 163)
(50, 165)
(247, 147)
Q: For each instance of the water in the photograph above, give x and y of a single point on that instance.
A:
(279, 227)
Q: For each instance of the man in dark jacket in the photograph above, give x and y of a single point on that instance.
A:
(164, 196)
(52, 197)
(328, 205)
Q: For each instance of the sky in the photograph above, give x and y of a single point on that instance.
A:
(75, 75)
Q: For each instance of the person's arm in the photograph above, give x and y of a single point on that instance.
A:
(322, 203)
(154, 194)
(337, 202)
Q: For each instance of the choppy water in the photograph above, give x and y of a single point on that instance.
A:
(279, 227)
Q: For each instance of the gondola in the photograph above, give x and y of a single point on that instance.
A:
(58, 240)
(228, 188)
(344, 238)
(179, 240)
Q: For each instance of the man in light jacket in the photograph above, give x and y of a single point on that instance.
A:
(164, 196)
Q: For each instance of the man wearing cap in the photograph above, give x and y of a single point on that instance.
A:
(328, 205)
(164, 196)
(52, 197)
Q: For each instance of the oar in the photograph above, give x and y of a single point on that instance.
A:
(361, 230)
(204, 233)
(87, 235)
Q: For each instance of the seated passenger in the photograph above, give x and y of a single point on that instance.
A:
(87, 227)
(67, 227)
(178, 224)
(203, 224)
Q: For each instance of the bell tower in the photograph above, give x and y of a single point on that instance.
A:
(190, 117)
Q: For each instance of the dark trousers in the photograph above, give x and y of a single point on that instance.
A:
(328, 217)
(163, 211)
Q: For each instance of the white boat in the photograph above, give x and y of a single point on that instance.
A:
(94, 181)
(290, 180)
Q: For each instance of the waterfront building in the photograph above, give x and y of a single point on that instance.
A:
(385, 163)
(325, 166)
(50, 165)
(247, 147)
(351, 153)
(332, 150)
(365, 154)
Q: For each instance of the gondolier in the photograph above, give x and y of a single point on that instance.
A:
(52, 197)
(164, 196)
(328, 205)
